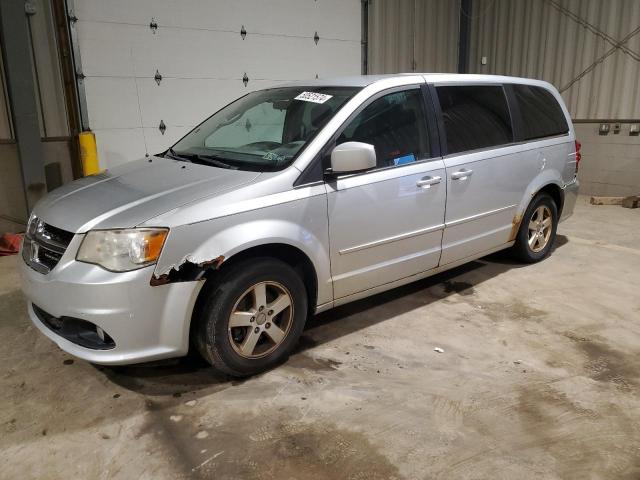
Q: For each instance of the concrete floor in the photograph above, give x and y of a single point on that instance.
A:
(539, 378)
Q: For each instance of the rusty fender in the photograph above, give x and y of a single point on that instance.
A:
(187, 271)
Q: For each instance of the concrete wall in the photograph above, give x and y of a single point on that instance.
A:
(610, 163)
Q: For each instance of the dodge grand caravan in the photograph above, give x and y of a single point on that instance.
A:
(293, 200)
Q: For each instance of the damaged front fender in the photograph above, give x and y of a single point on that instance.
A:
(187, 271)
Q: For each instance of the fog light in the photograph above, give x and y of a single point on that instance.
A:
(100, 333)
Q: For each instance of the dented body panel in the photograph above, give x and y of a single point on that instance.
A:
(361, 234)
(297, 218)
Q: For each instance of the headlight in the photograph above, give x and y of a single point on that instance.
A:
(122, 250)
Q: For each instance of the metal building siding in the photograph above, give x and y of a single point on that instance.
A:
(560, 40)
(392, 45)
(437, 29)
(390, 42)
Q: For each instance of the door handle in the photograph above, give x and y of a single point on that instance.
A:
(426, 182)
(461, 174)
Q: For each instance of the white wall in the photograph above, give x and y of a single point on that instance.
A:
(198, 50)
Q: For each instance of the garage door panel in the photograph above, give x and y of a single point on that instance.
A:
(114, 11)
(157, 142)
(112, 102)
(117, 146)
(188, 102)
(344, 26)
(207, 54)
(289, 17)
(334, 57)
(202, 58)
(293, 61)
(106, 49)
(185, 102)
(188, 54)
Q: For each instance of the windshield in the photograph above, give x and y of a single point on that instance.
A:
(263, 130)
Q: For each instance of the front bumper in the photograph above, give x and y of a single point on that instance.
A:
(146, 323)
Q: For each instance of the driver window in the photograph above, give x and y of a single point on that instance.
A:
(262, 123)
(395, 125)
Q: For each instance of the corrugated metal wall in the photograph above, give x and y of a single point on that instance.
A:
(413, 35)
(570, 43)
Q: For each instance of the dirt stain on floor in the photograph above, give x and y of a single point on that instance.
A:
(253, 446)
(555, 422)
(605, 364)
(513, 310)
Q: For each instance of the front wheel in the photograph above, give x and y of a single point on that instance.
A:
(252, 318)
(537, 231)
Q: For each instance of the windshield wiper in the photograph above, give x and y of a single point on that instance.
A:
(198, 158)
(213, 160)
(173, 155)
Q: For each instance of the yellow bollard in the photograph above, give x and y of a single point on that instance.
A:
(88, 153)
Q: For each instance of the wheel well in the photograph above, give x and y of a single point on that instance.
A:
(288, 254)
(556, 193)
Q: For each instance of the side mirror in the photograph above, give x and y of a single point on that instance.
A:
(353, 157)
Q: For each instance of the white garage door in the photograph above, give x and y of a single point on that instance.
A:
(205, 59)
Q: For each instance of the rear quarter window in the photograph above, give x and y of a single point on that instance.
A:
(474, 117)
(541, 114)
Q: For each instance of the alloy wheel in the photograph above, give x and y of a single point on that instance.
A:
(260, 319)
(540, 227)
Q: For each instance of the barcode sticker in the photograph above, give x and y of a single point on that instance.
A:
(313, 97)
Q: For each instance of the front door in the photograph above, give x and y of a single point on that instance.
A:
(386, 224)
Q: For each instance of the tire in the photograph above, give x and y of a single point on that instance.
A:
(247, 290)
(529, 249)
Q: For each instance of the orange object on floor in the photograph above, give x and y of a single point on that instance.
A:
(10, 243)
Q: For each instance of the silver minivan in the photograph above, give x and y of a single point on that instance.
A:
(293, 200)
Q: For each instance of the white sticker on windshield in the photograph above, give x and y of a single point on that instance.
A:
(313, 97)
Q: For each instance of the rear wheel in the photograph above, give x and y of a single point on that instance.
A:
(537, 231)
(252, 318)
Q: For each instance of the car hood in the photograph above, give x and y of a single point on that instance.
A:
(134, 192)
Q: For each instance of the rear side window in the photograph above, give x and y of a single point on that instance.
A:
(475, 117)
(395, 125)
(541, 114)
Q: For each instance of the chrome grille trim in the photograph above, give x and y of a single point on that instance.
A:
(44, 245)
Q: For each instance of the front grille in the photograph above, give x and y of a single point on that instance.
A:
(44, 245)
(78, 331)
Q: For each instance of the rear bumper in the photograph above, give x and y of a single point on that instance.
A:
(570, 197)
(146, 323)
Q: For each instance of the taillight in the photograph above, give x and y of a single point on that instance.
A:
(578, 154)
